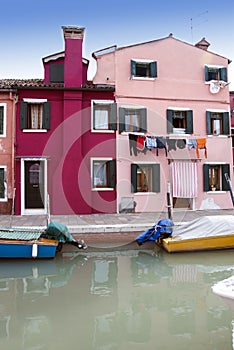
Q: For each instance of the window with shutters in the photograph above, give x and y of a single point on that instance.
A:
(179, 121)
(145, 177)
(2, 120)
(143, 69)
(103, 173)
(3, 184)
(132, 119)
(214, 177)
(215, 73)
(104, 115)
(35, 115)
(217, 123)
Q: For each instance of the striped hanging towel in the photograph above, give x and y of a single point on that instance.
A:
(184, 179)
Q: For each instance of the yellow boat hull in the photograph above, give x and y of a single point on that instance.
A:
(173, 245)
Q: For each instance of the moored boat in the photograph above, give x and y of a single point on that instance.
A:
(25, 244)
(225, 289)
(205, 233)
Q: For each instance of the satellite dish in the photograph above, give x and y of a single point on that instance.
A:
(214, 88)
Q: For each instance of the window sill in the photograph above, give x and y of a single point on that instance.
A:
(107, 131)
(140, 133)
(145, 193)
(216, 192)
(106, 189)
(142, 78)
(34, 130)
(3, 199)
(220, 136)
(177, 134)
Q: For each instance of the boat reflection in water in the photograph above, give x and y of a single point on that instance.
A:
(116, 300)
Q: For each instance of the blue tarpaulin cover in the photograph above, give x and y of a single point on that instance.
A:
(163, 228)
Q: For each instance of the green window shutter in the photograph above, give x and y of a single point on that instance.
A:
(223, 74)
(1, 120)
(206, 182)
(226, 123)
(153, 69)
(23, 115)
(2, 187)
(121, 119)
(156, 178)
(56, 73)
(113, 116)
(111, 165)
(189, 122)
(225, 170)
(206, 72)
(208, 123)
(143, 121)
(133, 68)
(46, 115)
(169, 121)
(134, 177)
(94, 106)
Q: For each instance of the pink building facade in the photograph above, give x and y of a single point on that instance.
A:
(173, 116)
(232, 120)
(65, 138)
(7, 138)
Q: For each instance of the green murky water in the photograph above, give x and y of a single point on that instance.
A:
(109, 300)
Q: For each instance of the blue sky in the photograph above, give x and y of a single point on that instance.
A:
(32, 30)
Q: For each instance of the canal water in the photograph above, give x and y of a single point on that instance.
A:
(111, 299)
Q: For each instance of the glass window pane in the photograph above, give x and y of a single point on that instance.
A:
(99, 174)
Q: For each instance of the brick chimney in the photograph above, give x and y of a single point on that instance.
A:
(73, 67)
(203, 44)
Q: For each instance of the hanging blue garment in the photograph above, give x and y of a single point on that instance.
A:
(150, 142)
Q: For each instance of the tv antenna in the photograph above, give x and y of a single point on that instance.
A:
(199, 23)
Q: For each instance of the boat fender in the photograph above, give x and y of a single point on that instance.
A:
(34, 250)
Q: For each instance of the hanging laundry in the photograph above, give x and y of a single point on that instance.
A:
(171, 144)
(132, 144)
(181, 143)
(161, 143)
(201, 144)
(140, 144)
(191, 144)
(150, 142)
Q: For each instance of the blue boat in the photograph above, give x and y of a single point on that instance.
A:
(26, 244)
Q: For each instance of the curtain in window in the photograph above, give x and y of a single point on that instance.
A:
(36, 116)
(184, 179)
(131, 122)
(99, 174)
(101, 119)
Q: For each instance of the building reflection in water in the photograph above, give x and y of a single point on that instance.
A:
(115, 300)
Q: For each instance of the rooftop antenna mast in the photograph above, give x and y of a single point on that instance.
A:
(197, 24)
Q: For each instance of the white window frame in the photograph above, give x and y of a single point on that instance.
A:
(35, 101)
(92, 160)
(4, 105)
(101, 102)
(215, 66)
(4, 167)
(142, 60)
